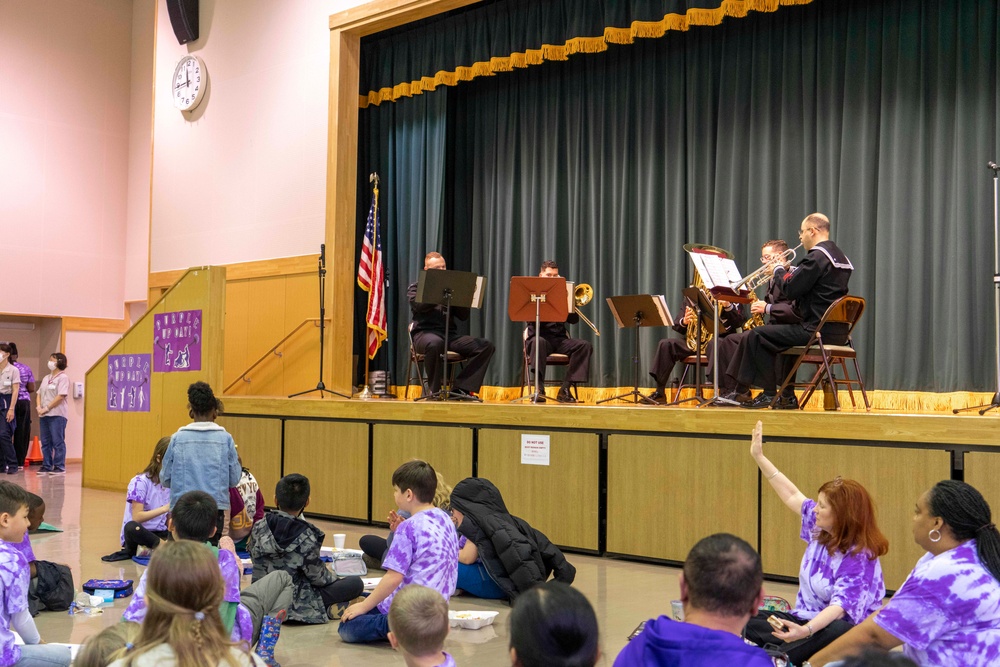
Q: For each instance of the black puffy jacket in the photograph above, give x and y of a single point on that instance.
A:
(516, 555)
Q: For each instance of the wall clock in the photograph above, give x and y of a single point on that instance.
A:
(189, 83)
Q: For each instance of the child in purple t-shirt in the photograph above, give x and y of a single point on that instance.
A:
(14, 580)
(424, 551)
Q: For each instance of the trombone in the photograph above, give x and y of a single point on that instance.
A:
(759, 277)
(582, 294)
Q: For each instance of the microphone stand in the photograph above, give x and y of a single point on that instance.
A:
(320, 387)
(995, 403)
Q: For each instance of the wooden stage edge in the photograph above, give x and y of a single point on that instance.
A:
(966, 431)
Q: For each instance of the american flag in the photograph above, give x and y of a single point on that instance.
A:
(371, 278)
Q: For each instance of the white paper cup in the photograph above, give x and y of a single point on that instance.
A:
(339, 539)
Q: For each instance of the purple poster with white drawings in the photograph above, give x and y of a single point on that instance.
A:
(128, 382)
(177, 341)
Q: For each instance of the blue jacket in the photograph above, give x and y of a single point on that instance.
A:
(201, 457)
(668, 643)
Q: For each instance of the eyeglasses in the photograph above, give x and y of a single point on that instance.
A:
(807, 229)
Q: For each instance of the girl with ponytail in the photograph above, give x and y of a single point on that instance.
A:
(182, 627)
(948, 610)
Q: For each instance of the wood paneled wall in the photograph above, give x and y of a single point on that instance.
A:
(117, 445)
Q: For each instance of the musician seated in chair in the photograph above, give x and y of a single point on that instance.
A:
(819, 280)
(779, 309)
(555, 340)
(670, 351)
(427, 331)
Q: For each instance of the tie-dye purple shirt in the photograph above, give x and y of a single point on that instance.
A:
(448, 660)
(425, 551)
(947, 611)
(851, 581)
(231, 569)
(24, 548)
(152, 495)
(14, 579)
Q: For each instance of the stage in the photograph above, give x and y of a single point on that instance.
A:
(643, 482)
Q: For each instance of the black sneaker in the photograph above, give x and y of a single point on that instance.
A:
(759, 403)
(116, 556)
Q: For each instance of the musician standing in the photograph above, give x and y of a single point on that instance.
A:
(555, 340)
(427, 332)
(817, 282)
(669, 351)
(778, 309)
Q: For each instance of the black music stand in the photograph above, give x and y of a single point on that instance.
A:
(447, 288)
(545, 300)
(634, 311)
(700, 304)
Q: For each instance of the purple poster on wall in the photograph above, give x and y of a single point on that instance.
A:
(177, 341)
(128, 382)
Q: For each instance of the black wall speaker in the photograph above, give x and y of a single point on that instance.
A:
(184, 19)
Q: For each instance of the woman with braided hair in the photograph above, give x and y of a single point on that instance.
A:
(183, 627)
(948, 610)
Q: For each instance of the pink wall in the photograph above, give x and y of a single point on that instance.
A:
(64, 132)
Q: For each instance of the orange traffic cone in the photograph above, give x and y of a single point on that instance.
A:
(34, 452)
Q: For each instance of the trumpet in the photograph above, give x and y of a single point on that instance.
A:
(760, 277)
(582, 294)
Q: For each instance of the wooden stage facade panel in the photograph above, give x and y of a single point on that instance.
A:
(560, 499)
(666, 493)
(633, 481)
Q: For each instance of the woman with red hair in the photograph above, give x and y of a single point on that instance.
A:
(840, 579)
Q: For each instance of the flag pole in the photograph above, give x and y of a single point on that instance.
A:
(366, 393)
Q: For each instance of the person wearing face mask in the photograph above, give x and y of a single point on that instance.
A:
(52, 413)
(10, 385)
(840, 579)
(22, 409)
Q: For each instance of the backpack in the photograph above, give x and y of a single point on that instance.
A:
(52, 589)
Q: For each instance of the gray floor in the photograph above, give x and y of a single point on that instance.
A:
(623, 594)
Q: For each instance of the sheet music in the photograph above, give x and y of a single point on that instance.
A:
(570, 297)
(716, 271)
(477, 296)
(661, 305)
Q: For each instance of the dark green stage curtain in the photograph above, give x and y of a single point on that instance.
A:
(880, 114)
(497, 29)
(405, 144)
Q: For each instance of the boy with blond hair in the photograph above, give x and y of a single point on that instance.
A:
(418, 625)
(424, 551)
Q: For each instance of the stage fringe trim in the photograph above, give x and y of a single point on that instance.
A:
(911, 402)
(612, 35)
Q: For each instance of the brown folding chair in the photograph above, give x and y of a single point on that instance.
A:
(845, 310)
(416, 363)
(690, 364)
(551, 360)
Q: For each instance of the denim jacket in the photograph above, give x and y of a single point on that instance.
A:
(201, 457)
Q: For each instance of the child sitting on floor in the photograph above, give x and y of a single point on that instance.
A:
(424, 551)
(375, 546)
(183, 625)
(14, 581)
(285, 542)
(111, 643)
(418, 625)
(146, 507)
(194, 519)
(246, 507)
